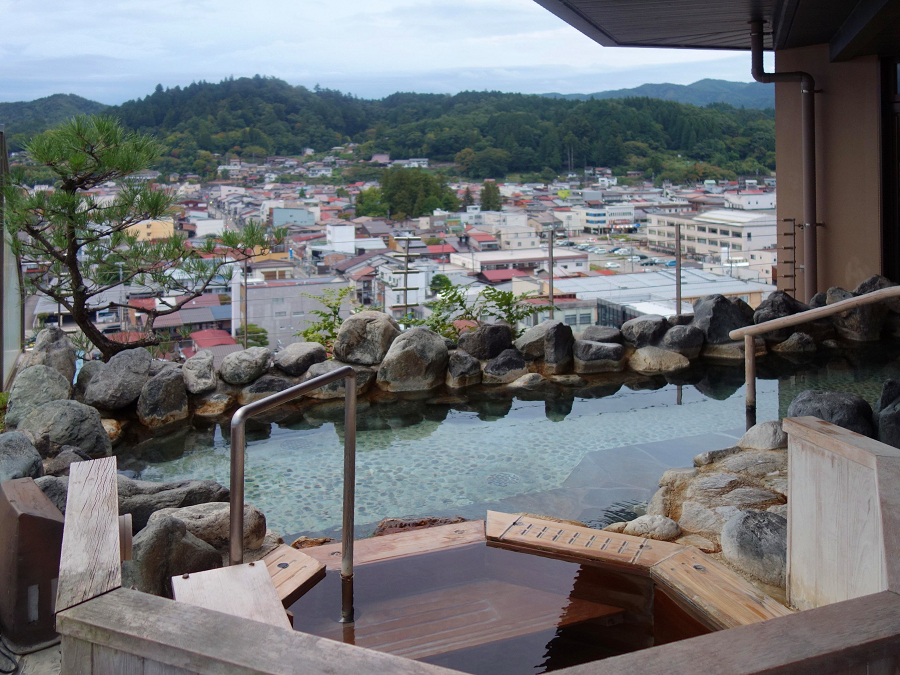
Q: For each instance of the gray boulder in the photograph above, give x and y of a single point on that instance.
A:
(755, 542)
(764, 436)
(214, 403)
(778, 305)
(245, 366)
(199, 373)
(143, 498)
(18, 457)
(653, 361)
(845, 410)
(486, 342)
(55, 489)
(159, 365)
(416, 361)
(89, 370)
(163, 400)
(598, 357)
(797, 343)
(365, 338)
(33, 387)
(686, 340)
(653, 527)
(263, 387)
(887, 414)
(68, 455)
(861, 324)
(364, 378)
(53, 348)
(644, 330)
(717, 317)
(120, 383)
(59, 423)
(297, 357)
(550, 341)
(818, 300)
(463, 370)
(163, 550)
(743, 307)
(602, 334)
(877, 283)
(210, 523)
(507, 367)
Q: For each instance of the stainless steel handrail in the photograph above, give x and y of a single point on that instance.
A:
(238, 447)
(748, 333)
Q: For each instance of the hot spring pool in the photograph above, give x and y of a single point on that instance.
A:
(580, 457)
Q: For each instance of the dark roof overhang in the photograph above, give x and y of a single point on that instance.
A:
(850, 28)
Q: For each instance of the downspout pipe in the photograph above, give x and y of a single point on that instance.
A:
(808, 151)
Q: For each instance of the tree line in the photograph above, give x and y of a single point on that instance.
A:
(484, 134)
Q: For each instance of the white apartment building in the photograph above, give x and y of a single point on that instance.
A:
(606, 218)
(750, 200)
(525, 259)
(474, 216)
(513, 236)
(389, 279)
(718, 236)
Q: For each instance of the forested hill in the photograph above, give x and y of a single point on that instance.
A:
(485, 134)
(489, 134)
(24, 119)
(702, 93)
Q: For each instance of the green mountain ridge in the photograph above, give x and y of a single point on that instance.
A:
(701, 93)
(485, 134)
(23, 119)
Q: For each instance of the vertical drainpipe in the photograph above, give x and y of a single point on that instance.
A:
(808, 151)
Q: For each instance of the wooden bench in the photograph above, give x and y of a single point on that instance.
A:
(705, 588)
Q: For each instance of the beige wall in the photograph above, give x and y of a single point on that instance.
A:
(151, 230)
(848, 158)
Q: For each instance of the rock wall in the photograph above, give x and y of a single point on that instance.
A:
(133, 391)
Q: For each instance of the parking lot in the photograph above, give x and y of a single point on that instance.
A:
(617, 256)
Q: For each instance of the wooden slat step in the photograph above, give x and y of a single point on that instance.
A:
(442, 621)
(571, 541)
(293, 573)
(726, 599)
(245, 591)
(402, 544)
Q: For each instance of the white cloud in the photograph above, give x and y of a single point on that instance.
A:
(113, 50)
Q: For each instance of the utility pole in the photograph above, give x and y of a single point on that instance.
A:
(121, 320)
(246, 316)
(551, 271)
(677, 267)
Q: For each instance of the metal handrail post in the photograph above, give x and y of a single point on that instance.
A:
(750, 378)
(348, 520)
(238, 438)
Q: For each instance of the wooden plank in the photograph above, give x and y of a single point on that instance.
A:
(498, 523)
(293, 573)
(211, 643)
(402, 544)
(246, 591)
(76, 656)
(580, 543)
(463, 617)
(90, 562)
(888, 484)
(114, 662)
(718, 593)
(154, 668)
(855, 447)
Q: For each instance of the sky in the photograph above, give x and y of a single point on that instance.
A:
(115, 50)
